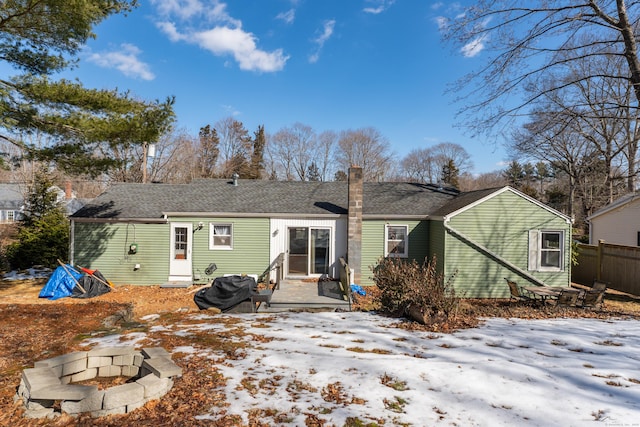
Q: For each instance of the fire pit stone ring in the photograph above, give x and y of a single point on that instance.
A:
(151, 372)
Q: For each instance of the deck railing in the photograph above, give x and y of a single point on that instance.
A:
(345, 280)
(277, 266)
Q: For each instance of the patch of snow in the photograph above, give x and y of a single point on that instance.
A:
(568, 372)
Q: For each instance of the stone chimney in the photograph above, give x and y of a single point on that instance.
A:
(354, 227)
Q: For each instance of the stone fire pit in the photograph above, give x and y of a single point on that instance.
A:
(151, 373)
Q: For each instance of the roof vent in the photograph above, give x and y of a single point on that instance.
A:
(235, 179)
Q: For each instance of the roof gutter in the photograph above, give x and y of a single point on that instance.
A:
(493, 255)
(246, 215)
(121, 220)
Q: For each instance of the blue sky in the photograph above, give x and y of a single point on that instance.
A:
(330, 64)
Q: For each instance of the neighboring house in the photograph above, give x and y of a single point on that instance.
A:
(11, 203)
(618, 222)
(67, 198)
(158, 233)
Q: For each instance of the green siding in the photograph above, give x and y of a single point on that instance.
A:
(106, 247)
(500, 224)
(373, 244)
(436, 244)
(250, 253)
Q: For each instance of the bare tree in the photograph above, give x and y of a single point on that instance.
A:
(531, 39)
(419, 165)
(482, 181)
(325, 153)
(367, 148)
(447, 152)
(426, 164)
(549, 137)
(174, 158)
(235, 145)
(295, 148)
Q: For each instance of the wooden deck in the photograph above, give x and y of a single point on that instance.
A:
(306, 295)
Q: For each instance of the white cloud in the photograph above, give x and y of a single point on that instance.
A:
(231, 110)
(171, 31)
(288, 16)
(327, 32)
(183, 9)
(380, 6)
(125, 60)
(224, 37)
(242, 45)
(474, 47)
(442, 22)
(213, 10)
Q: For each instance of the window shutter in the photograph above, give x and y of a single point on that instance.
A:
(534, 236)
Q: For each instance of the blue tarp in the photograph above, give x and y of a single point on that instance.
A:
(357, 289)
(61, 283)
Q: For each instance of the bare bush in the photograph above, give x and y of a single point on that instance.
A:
(414, 290)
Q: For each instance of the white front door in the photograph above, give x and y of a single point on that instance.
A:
(180, 266)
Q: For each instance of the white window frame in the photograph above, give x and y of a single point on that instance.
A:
(212, 245)
(536, 250)
(387, 240)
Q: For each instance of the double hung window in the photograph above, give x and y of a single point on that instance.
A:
(397, 241)
(220, 236)
(546, 250)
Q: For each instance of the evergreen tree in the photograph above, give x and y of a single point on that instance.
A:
(257, 156)
(43, 233)
(340, 175)
(450, 174)
(207, 155)
(314, 173)
(514, 174)
(43, 37)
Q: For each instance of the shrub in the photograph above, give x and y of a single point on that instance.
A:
(43, 233)
(408, 289)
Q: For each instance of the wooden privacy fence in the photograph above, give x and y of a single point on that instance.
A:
(617, 264)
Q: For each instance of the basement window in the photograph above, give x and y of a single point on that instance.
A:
(397, 240)
(220, 236)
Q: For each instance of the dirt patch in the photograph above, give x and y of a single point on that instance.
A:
(145, 299)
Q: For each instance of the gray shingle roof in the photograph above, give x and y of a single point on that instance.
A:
(11, 197)
(149, 201)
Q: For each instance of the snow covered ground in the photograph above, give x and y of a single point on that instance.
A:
(560, 372)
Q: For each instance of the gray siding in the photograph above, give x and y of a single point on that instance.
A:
(500, 224)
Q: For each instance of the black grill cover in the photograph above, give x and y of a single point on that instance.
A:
(226, 292)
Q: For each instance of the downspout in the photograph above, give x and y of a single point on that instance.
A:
(497, 257)
(71, 240)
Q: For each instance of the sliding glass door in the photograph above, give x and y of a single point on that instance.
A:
(309, 251)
